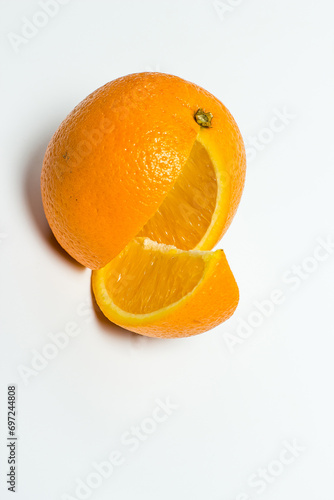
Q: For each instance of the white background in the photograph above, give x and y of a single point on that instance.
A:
(236, 406)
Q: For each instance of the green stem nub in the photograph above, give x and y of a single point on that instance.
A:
(202, 118)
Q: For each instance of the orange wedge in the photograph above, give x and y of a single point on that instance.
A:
(158, 290)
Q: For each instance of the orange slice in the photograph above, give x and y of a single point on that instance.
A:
(158, 290)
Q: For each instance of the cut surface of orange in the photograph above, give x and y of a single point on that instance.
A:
(186, 214)
(161, 291)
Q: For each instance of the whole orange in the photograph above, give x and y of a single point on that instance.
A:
(116, 157)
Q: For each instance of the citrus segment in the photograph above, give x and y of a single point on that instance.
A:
(147, 277)
(160, 291)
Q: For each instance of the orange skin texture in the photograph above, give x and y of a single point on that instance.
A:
(212, 302)
(115, 157)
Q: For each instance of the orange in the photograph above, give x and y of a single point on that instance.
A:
(158, 290)
(147, 155)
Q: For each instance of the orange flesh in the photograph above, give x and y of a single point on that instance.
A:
(141, 279)
(185, 215)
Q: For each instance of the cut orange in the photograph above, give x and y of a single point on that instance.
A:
(138, 182)
(158, 290)
(148, 154)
